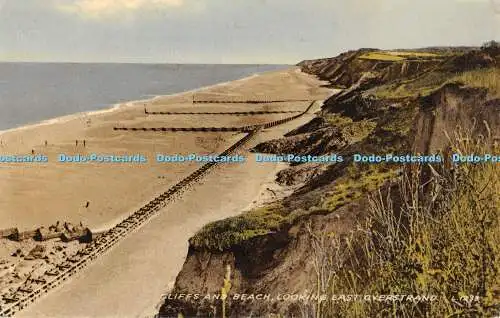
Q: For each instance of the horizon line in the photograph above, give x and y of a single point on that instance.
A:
(145, 63)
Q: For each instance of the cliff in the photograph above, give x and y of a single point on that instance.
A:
(392, 102)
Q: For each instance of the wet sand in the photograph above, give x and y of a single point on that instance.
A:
(130, 279)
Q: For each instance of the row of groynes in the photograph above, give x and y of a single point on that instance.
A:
(250, 113)
(248, 128)
(72, 265)
(250, 101)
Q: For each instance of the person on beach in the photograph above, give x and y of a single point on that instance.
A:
(84, 142)
(76, 142)
(87, 204)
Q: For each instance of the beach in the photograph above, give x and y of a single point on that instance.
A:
(60, 191)
(131, 278)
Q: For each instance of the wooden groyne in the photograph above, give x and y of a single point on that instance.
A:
(188, 129)
(35, 288)
(250, 113)
(250, 101)
(216, 129)
(26, 295)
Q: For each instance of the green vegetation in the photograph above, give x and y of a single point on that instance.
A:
(420, 86)
(357, 183)
(338, 120)
(381, 56)
(354, 130)
(414, 54)
(386, 133)
(396, 56)
(487, 78)
(223, 234)
(435, 231)
(439, 240)
(397, 122)
(394, 91)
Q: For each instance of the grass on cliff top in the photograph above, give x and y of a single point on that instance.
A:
(225, 233)
(421, 86)
(381, 56)
(488, 78)
(410, 54)
(396, 56)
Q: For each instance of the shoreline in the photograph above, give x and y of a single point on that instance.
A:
(43, 196)
(128, 104)
(69, 183)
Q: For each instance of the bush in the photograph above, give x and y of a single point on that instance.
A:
(491, 47)
(436, 236)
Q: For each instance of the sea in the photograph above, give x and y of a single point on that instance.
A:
(34, 92)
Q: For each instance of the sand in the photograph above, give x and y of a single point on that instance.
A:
(60, 191)
(130, 279)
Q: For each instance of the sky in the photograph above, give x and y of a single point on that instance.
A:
(234, 31)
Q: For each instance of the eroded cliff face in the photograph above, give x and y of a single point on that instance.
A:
(278, 263)
(361, 119)
(451, 107)
(348, 69)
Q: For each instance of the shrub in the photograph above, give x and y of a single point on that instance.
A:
(438, 235)
(491, 47)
